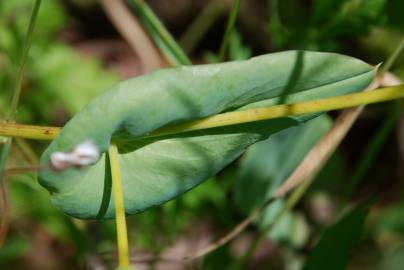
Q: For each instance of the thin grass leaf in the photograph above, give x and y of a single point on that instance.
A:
(159, 33)
(229, 28)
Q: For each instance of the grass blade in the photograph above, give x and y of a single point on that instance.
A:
(229, 28)
(201, 24)
(24, 57)
(159, 33)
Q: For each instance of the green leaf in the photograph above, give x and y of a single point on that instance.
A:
(267, 164)
(332, 251)
(158, 170)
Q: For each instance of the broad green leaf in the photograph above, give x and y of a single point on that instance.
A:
(333, 249)
(158, 170)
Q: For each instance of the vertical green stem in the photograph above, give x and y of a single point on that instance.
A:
(201, 24)
(24, 57)
(18, 85)
(274, 25)
(159, 33)
(122, 234)
(229, 28)
(393, 57)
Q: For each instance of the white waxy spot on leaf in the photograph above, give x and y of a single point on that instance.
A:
(83, 154)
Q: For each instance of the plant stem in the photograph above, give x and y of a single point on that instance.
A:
(377, 141)
(28, 131)
(229, 28)
(159, 33)
(201, 24)
(122, 234)
(24, 57)
(274, 26)
(393, 57)
(17, 90)
(285, 110)
(232, 118)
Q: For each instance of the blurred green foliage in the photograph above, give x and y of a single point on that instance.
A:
(60, 78)
(337, 242)
(323, 24)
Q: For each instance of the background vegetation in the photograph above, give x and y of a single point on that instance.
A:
(77, 53)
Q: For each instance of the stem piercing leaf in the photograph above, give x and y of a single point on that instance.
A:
(157, 169)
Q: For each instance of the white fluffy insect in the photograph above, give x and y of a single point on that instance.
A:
(83, 154)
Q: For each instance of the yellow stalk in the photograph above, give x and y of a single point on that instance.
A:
(232, 118)
(9, 129)
(277, 111)
(120, 218)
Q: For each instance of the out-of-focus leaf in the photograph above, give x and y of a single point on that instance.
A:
(50, 18)
(394, 260)
(37, 208)
(60, 79)
(323, 8)
(392, 218)
(268, 163)
(264, 168)
(321, 26)
(394, 10)
(15, 247)
(291, 229)
(155, 171)
(65, 78)
(209, 192)
(237, 50)
(219, 259)
(333, 249)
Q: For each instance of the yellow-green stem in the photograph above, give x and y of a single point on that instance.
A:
(232, 118)
(259, 114)
(120, 219)
(28, 131)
